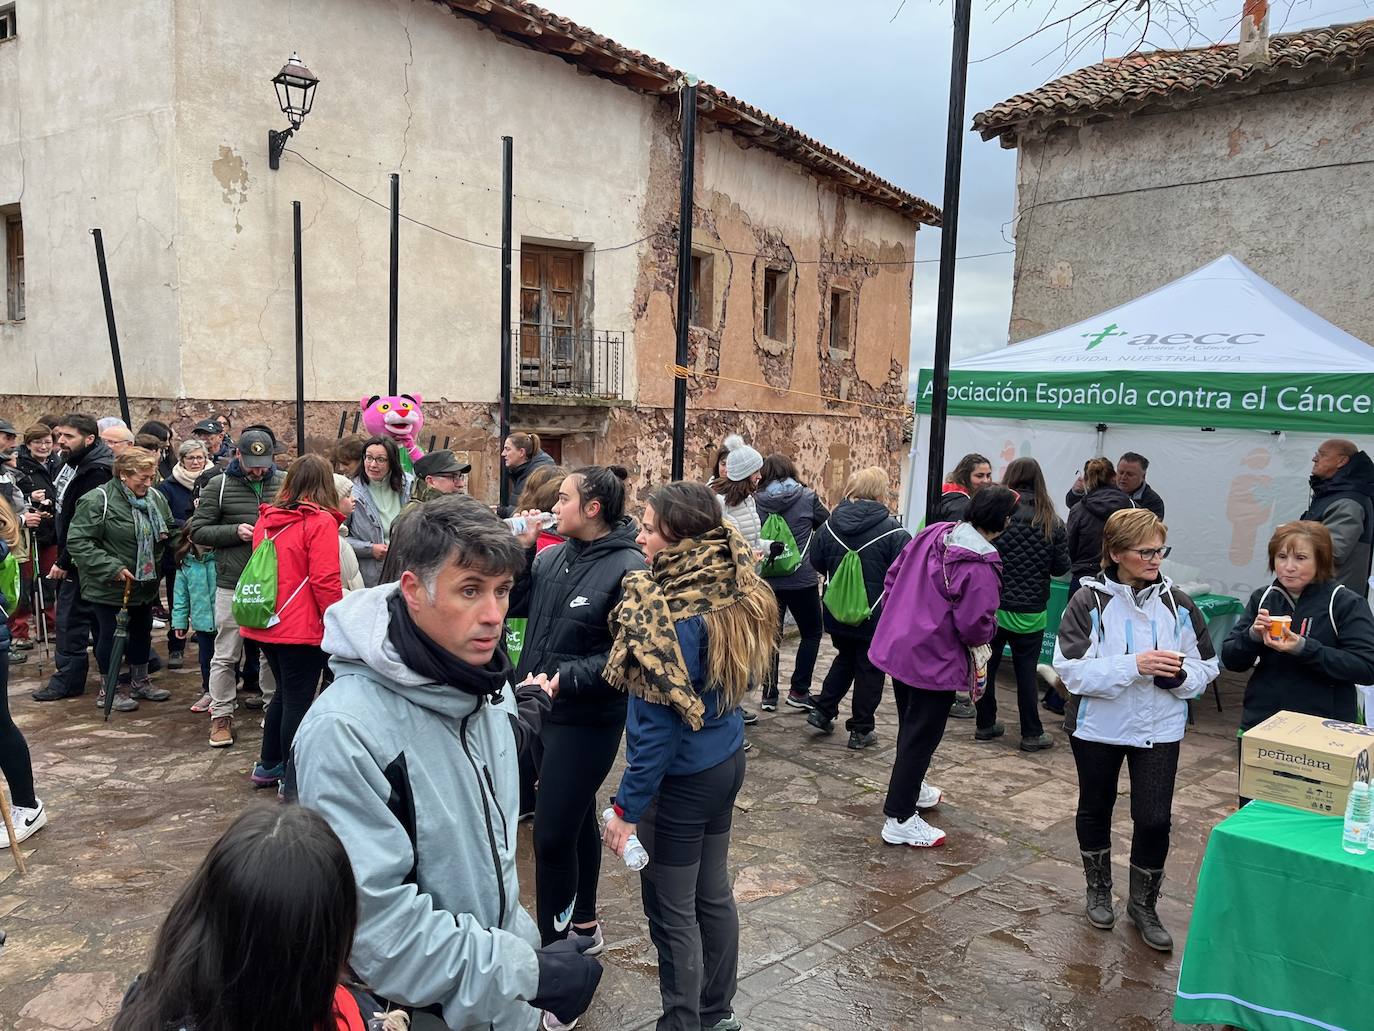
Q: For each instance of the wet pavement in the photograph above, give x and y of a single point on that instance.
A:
(838, 929)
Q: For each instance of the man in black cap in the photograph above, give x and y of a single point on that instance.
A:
(437, 474)
(9, 436)
(224, 521)
(212, 433)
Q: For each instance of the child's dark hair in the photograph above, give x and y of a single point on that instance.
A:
(259, 936)
(991, 507)
(604, 484)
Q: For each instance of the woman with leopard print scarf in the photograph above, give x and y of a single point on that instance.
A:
(691, 634)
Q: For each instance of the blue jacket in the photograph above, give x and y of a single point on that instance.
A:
(193, 601)
(658, 744)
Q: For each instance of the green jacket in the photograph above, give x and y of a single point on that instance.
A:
(422, 492)
(101, 542)
(226, 500)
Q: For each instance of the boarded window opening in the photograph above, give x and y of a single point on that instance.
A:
(703, 306)
(775, 303)
(14, 266)
(841, 323)
(7, 26)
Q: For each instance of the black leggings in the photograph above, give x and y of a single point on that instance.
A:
(567, 826)
(14, 750)
(921, 719)
(1152, 773)
(297, 669)
(805, 605)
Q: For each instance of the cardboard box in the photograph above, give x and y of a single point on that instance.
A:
(1307, 762)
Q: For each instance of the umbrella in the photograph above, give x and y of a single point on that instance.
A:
(121, 635)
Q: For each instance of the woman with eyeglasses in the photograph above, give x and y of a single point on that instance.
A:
(178, 487)
(381, 489)
(1132, 650)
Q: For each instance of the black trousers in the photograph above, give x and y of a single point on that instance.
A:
(1025, 656)
(851, 668)
(14, 750)
(921, 719)
(805, 605)
(297, 669)
(140, 643)
(688, 898)
(567, 825)
(1152, 773)
(75, 621)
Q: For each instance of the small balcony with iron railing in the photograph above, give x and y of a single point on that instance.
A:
(574, 365)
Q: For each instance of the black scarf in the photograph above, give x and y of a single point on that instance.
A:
(419, 652)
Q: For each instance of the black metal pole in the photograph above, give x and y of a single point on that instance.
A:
(392, 360)
(949, 233)
(506, 188)
(684, 269)
(300, 333)
(110, 325)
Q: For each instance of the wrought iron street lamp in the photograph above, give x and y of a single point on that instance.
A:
(295, 85)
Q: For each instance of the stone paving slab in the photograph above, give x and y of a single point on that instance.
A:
(837, 929)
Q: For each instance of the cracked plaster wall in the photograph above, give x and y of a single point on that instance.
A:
(1309, 231)
(87, 140)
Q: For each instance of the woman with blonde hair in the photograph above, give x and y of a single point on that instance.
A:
(1132, 650)
(691, 633)
(26, 810)
(861, 525)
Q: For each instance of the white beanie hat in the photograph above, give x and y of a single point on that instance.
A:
(743, 461)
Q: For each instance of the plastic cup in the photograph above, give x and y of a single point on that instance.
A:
(1277, 626)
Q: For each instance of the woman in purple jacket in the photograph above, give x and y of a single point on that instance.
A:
(942, 598)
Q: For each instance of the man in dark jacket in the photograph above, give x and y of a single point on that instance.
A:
(228, 511)
(88, 464)
(1130, 478)
(1343, 501)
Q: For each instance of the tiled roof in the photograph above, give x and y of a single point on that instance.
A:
(1180, 77)
(534, 27)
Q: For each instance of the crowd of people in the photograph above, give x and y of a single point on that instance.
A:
(367, 609)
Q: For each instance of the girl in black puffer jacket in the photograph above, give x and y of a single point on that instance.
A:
(1034, 548)
(573, 588)
(862, 523)
(1101, 498)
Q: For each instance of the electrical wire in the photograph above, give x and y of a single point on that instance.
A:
(682, 372)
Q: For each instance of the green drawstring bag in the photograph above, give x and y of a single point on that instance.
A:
(775, 528)
(255, 595)
(515, 639)
(9, 583)
(846, 594)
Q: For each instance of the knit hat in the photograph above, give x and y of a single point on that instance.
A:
(343, 484)
(743, 461)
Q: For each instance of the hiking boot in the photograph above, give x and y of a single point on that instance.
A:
(1037, 744)
(862, 739)
(820, 721)
(176, 659)
(221, 731)
(801, 700)
(23, 644)
(149, 691)
(962, 709)
(18, 657)
(598, 945)
(27, 822)
(267, 776)
(123, 701)
(54, 693)
(914, 832)
(1145, 885)
(989, 733)
(730, 1023)
(1097, 869)
(929, 797)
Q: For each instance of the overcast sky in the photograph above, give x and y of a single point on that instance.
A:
(871, 79)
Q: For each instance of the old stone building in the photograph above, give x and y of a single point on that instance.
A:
(1136, 171)
(150, 121)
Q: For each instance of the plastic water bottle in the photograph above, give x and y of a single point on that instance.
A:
(636, 856)
(519, 524)
(1355, 840)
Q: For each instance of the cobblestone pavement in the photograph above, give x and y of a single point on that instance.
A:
(838, 930)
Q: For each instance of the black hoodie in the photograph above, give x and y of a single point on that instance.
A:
(855, 524)
(1085, 524)
(93, 468)
(1344, 503)
(573, 587)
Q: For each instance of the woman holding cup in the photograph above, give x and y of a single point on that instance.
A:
(1132, 649)
(1309, 639)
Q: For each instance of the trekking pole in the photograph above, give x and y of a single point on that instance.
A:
(39, 607)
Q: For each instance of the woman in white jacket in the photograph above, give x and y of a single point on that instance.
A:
(1132, 649)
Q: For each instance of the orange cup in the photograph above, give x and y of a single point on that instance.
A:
(1277, 625)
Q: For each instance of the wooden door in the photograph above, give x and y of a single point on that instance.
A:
(550, 295)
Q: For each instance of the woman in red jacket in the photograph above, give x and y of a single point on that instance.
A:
(303, 523)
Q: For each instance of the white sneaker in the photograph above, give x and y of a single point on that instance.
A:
(552, 1023)
(27, 822)
(159, 624)
(929, 797)
(915, 832)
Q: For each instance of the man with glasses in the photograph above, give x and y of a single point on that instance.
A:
(437, 474)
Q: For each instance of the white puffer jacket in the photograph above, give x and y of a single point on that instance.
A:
(1105, 626)
(745, 517)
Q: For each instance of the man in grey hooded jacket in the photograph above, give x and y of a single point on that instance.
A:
(412, 755)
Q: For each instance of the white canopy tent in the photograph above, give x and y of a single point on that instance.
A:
(1221, 380)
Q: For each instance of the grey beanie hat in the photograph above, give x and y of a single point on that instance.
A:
(743, 461)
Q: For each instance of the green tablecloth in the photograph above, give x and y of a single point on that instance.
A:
(1280, 935)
